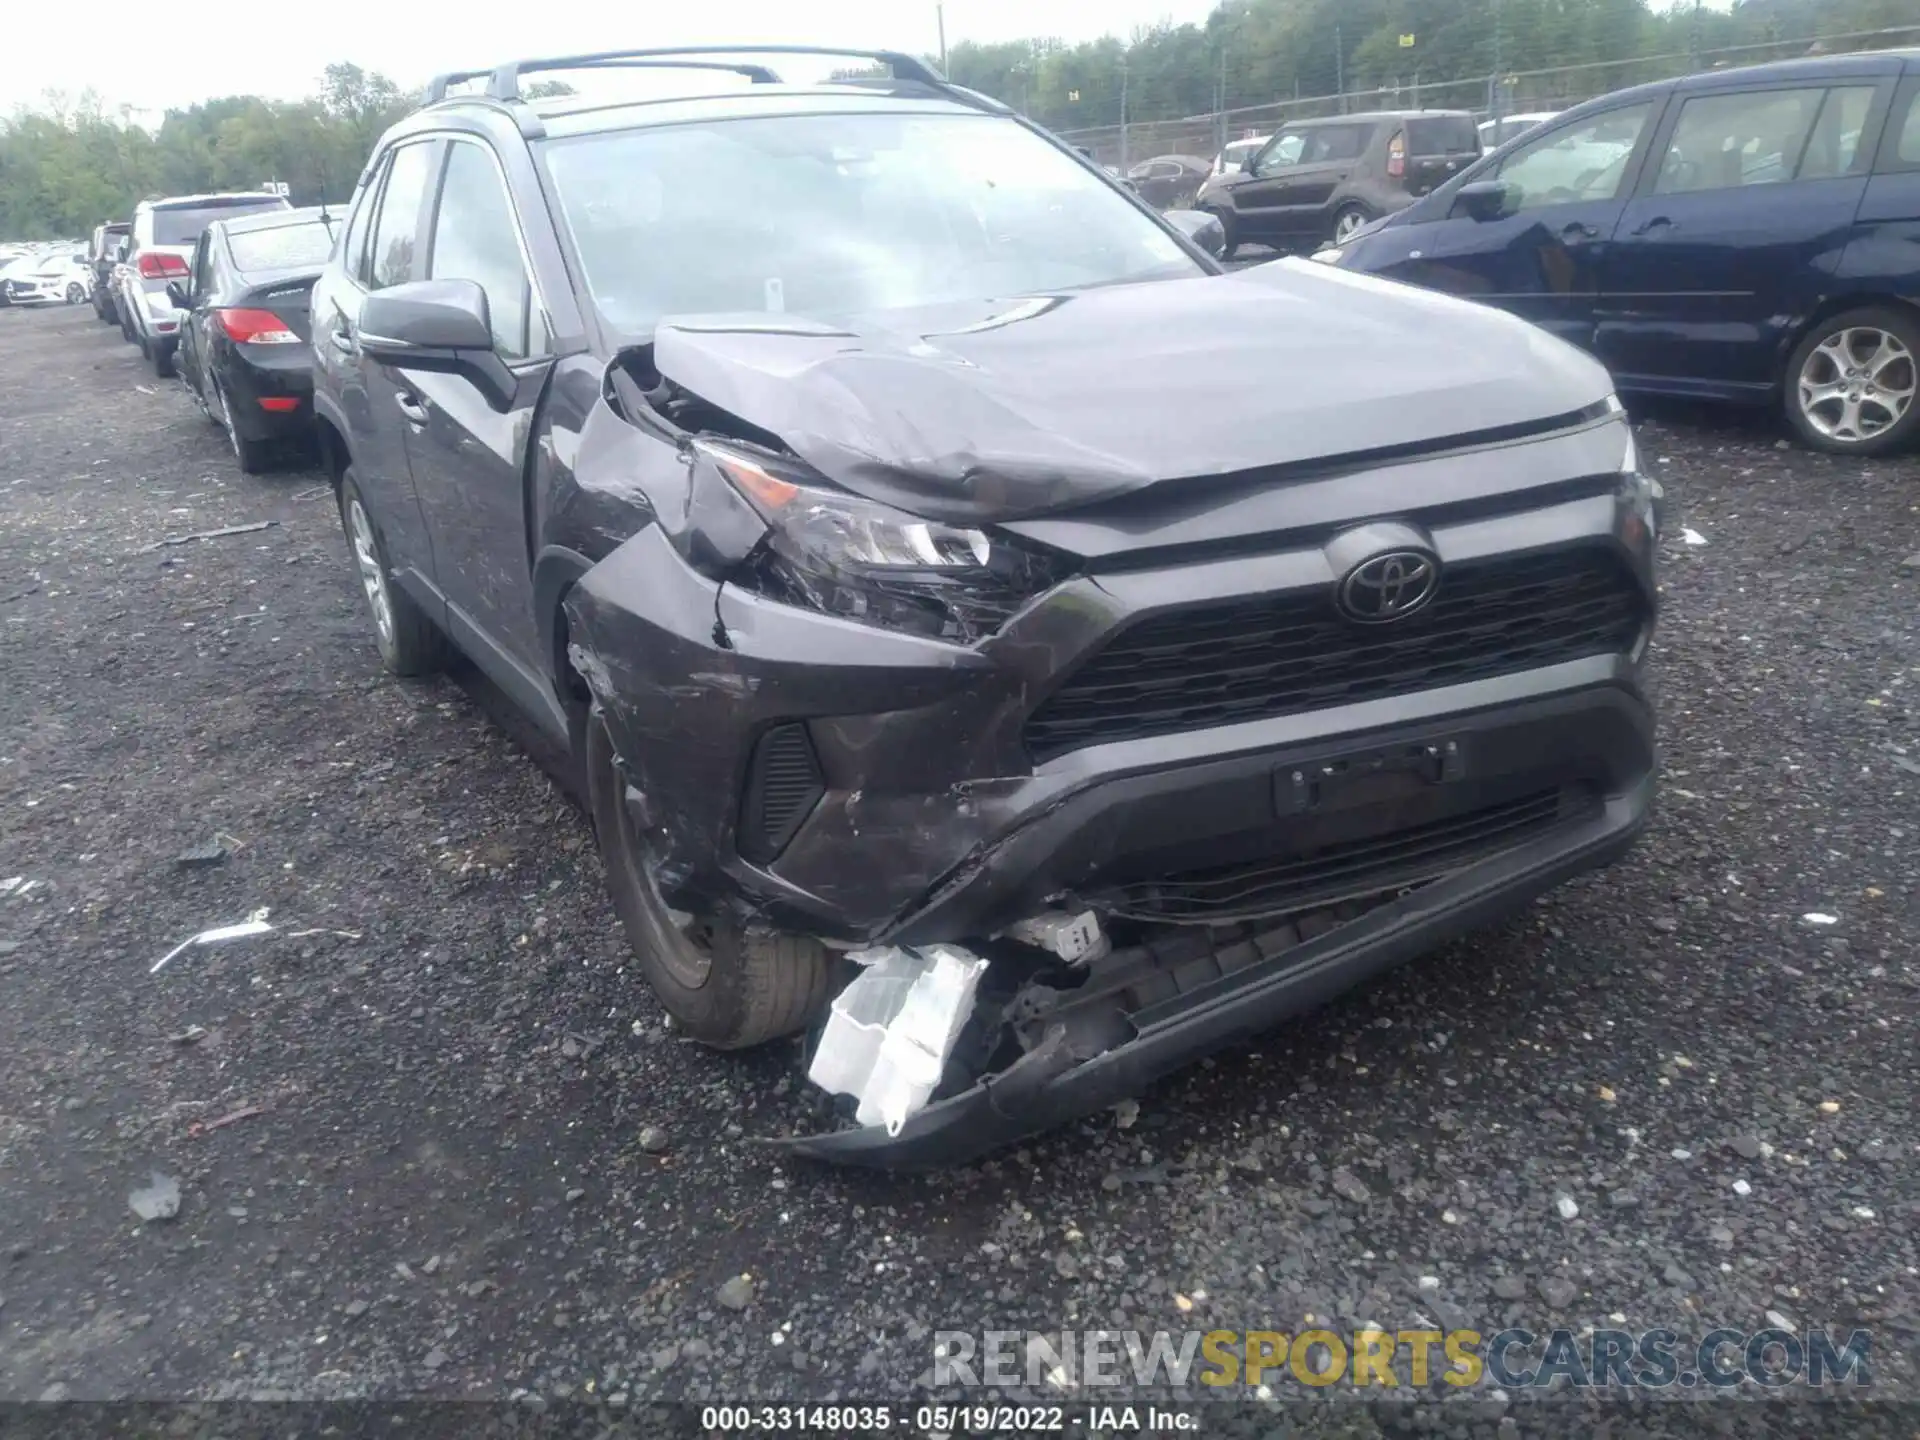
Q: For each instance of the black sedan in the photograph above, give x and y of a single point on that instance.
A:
(243, 346)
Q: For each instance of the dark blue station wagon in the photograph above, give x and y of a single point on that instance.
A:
(1745, 235)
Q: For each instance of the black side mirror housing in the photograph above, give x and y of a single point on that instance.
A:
(1482, 200)
(1202, 227)
(442, 326)
(177, 293)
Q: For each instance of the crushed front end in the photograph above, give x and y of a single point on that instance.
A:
(1181, 713)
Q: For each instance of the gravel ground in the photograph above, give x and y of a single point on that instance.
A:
(410, 1131)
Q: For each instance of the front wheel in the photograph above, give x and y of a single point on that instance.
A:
(76, 292)
(725, 985)
(1850, 386)
(410, 643)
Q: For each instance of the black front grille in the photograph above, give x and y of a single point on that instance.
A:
(1416, 855)
(1281, 654)
(783, 786)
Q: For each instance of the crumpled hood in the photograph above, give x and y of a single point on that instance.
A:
(995, 410)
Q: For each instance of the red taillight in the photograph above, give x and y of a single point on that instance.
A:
(281, 403)
(256, 327)
(156, 265)
(1397, 158)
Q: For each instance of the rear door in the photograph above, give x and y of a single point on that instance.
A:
(382, 248)
(1539, 256)
(1736, 232)
(193, 326)
(1880, 259)
(1331, 155)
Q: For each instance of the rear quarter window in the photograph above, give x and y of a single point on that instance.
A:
(1906, 149)
(1443, 135)
(285, 247)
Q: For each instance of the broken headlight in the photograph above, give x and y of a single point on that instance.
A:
(830, 551)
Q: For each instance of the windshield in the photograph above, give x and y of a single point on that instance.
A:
(183, 226)
(840, 214)
(285, 247)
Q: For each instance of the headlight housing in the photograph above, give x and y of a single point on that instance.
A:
(839, 554)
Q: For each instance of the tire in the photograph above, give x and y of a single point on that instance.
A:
(1229, 229)
(255, 456)
(726, 986)
(410, 643)
(1852, 386)
(127, 332)
(76, 292)
(1348, 219)
(160, 352)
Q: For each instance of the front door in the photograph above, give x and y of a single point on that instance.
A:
(1540, 255)
(468, 445)
(1736, 231)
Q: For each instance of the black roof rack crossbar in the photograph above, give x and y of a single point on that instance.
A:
(437, 89)
(504, 83)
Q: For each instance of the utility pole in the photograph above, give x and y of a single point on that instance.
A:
(1340, 66)
(1220, 103)
(940, 19)
(1496, 99)
(1693, 42)
(1126, 160)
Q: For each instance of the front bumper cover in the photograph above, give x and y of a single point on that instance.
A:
(1056, 1082)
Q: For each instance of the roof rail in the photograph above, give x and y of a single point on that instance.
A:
(437, 88)
(504, 81)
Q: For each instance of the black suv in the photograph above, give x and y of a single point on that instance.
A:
(859, 545)
(1321, 180)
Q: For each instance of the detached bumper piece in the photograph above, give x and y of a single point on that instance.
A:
(1153, 1008)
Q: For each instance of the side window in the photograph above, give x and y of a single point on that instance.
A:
(474, 238)
(1282, 152)
(1581, 162)
(354, 254)
(1834, 146)
(1901, 149)
(1724, 142)
(203, 263)
(408, 177)
(1336, 142)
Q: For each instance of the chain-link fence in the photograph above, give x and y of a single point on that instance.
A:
(1513, 93)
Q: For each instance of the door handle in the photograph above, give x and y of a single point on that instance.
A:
(415, 412)
(1579, 230)
(1658, 222)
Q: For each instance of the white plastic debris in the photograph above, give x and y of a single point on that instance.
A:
(889, 1033)
(1693, 537)
(1815, 917)
(1567, 1207)
(254, 924)
(1741, 1187)
(11, 884)
(1072, 937)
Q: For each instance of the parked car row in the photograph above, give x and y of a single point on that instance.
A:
(1741, 235)
(48, 277)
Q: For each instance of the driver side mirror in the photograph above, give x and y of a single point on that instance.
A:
(1202, 227)
(442, 326)
(177, 293)
(1482, 200)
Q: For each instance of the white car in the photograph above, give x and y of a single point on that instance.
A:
(1236, 154)
(53, 278)
(1495, 133)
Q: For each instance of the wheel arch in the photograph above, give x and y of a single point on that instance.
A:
(555, 572)
(1830, 306)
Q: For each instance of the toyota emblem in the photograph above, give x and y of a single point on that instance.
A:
(1390, 586)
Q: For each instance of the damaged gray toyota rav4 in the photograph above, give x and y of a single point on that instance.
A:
(998, 644)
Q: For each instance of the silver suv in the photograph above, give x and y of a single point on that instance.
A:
(160, 249)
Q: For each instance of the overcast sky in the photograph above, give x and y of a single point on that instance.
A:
(152, 55)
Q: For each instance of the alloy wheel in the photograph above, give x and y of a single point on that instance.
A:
(1857, 384)
(373, 576)
(1344, 228)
